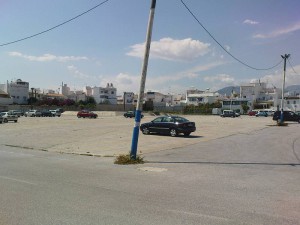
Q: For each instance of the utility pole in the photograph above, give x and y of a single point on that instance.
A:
(285, 57)
(139, 107)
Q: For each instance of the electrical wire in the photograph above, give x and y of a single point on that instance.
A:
(292, 67)
(52, 28)
(240, 61)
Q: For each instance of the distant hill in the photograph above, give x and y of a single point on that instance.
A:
(228, 90)
(293, 89)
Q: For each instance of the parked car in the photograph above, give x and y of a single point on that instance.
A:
(228, 113)
(8, 116)
(17, 112)
(46, 113)
(86, 114)
(261, 113)
(252, 112)
(131, 114)
(172, 125)
(33, 113)
(55, 112)
(287, 116)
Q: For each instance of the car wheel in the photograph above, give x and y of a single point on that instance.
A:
(5, 120)
(16, 121)
(187, 134)
(145, 130)
(78, 116)
(173, 132)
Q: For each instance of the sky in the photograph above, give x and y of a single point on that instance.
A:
(195, 43)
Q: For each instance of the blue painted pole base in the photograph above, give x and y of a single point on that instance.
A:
(281, 117)
(135, 134)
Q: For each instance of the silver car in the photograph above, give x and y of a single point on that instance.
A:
(7, 116)
(33, 113)
(55, 112)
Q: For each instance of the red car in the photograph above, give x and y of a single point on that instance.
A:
(252, 113)
(86, 114)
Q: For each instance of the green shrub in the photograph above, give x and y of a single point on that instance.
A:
(126, 159)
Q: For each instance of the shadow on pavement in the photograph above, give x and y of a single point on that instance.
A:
(227, 163)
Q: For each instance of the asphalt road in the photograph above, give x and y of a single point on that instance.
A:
(249, 178)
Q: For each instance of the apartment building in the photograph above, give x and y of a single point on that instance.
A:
(106, 94)
(18, 90)
(196, 97)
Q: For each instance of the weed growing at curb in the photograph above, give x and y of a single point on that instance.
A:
(126, 160)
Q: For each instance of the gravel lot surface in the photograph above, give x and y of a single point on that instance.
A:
(111, 135)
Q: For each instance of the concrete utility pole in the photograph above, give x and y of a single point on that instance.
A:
(285, 57)
(139, 107)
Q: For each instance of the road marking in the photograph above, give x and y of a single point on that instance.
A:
(17, 180)
(153, 169)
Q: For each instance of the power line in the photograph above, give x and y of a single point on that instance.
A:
(52, 28)
(292, 67)
(245, 64)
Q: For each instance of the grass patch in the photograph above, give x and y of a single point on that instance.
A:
(126, 160)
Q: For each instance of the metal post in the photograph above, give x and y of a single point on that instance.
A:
(139, 107)
(283, 86)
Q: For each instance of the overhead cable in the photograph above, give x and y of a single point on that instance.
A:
(52, 28)
(292, 67)
(240, 61)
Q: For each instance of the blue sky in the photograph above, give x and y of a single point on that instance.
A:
(106, 45)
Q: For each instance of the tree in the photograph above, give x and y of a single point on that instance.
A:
(245, 107)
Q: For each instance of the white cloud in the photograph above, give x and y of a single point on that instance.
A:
(123, 82)
(251, 22)
(225, 78)
(77, 74)
(127, 82)
(279, 32)
(48, 57)
(172, 50)
(276, 78)
(227, 47)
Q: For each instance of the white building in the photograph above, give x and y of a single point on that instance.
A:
(196, 97)
(158, 99)
(290, 103)
(65, 90)
(105, 95)
(18, 90)
(258, 93)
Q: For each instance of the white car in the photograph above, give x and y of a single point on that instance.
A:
(55, 112)
(7, 116)
(33, 113)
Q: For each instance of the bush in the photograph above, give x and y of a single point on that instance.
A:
(126, 159)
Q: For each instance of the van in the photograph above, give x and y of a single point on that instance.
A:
(228, 113)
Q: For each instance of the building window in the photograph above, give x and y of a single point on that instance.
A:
(288, 102)
(112, 92)
(106, 92)
(294, 102)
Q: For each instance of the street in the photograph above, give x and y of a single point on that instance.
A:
(247, 178)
